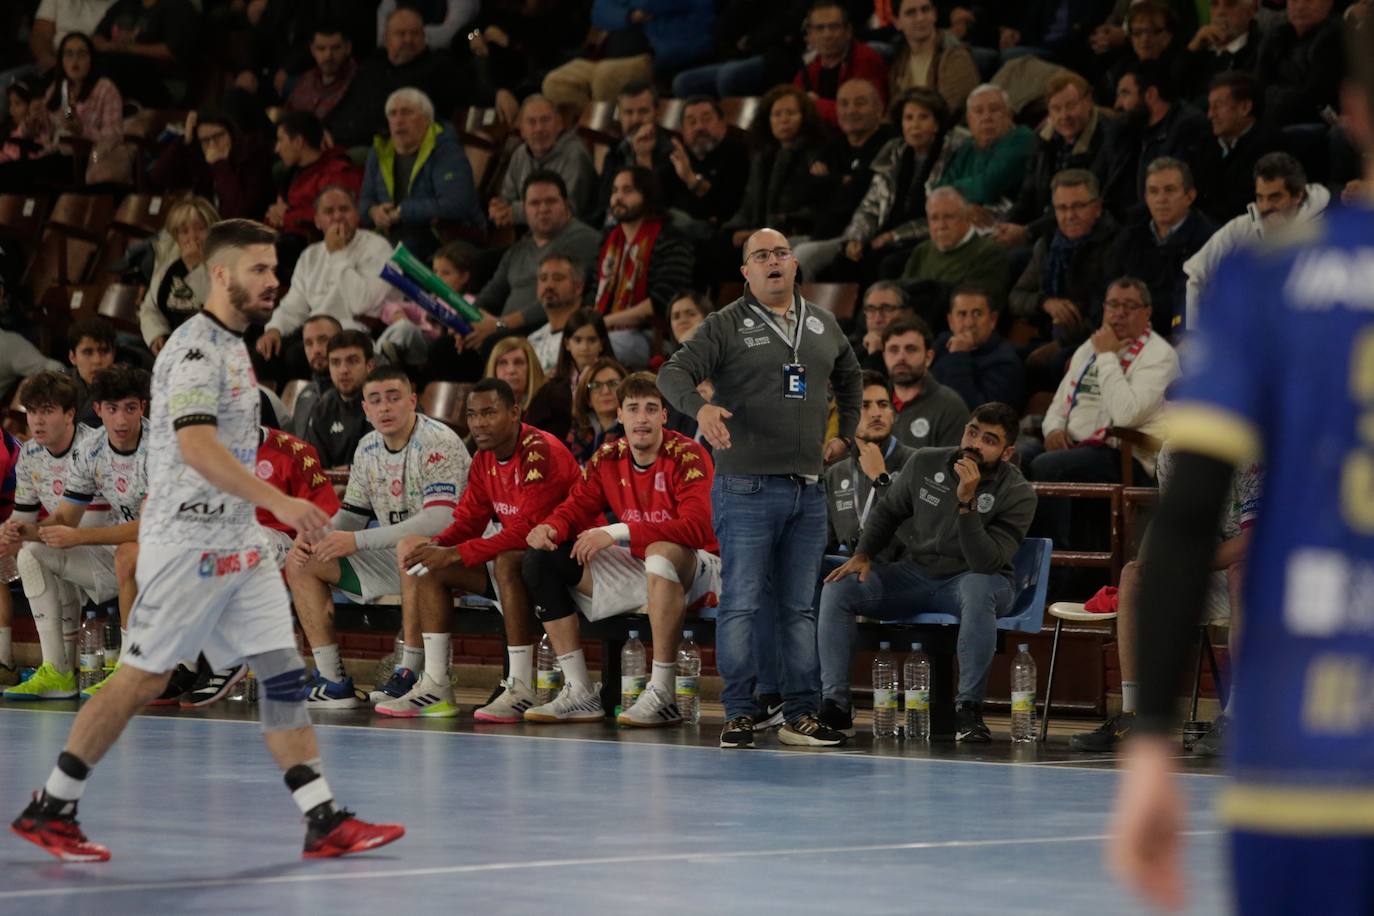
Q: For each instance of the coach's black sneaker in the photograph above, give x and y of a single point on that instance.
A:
(213, 686)
(835, 716)
(807, 731)
(1106, 738)
(770, 712)
(340, 833)
(969, 727)
(738, 732)
(1213, 744)
(180, 683)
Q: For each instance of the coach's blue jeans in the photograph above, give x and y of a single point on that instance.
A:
(900, 591)
(771, 530)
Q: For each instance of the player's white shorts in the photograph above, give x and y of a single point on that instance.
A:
(376, 572)
(229, 604)
(279, 544)
(90, 568)
(1218, 609)
(620, 584)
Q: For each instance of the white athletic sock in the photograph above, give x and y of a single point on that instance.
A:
(1128, 696)
(65, 786)
(437, 656)
(412, 658)
(123, 642)
(521, 663)
(7, 647)
(665, 676)
(314, 793)
(328, 661)
(574, 666)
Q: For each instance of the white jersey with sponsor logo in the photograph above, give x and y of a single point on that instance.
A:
(42, 478)
(103, 474)
(202, 375)
(431, 470)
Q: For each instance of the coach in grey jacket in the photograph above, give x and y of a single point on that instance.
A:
(961, 514)
(772, 356)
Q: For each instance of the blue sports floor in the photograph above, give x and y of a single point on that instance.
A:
(510, 820)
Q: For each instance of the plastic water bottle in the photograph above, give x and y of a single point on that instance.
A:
(1023, 695)
(884, 693)
(631, 671)
(689, 680)
(113, 641)
(92, 643)
(916, 676)
(548, 676)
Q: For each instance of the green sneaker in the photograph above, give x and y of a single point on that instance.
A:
(9, 675)
(47, 683)
(95, 688)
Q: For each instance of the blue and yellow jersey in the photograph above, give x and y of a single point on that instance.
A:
(1282, 368)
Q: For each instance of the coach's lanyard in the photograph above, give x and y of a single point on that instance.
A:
(795, 341)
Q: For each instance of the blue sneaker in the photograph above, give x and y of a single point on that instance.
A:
(401, 683)
(322, 693)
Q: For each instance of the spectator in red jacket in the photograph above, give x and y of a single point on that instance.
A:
(517, 477)
(661, 551)
(836, 58)
(300, 146)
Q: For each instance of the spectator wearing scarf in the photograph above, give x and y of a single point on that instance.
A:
(643, 263)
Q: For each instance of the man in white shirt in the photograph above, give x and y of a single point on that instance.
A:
(340, 276)
(54, 19)
(560, 283)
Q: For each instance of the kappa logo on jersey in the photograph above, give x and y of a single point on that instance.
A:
(336, 427)
(534, 475)
(192, 355)
(693, 474)
(297, 447)
(265, 470)
(307, 463)
(317, 480)
(434, 458)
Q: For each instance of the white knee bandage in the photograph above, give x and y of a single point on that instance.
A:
(32, 573)
(661, 567)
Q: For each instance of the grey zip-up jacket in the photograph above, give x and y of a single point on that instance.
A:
(847, 494)
(744, 357)
(937, 538)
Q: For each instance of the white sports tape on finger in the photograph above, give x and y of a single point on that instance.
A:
(419, 569)
(661, 567)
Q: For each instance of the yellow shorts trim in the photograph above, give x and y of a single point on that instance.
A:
(1212, 431)
(1289, 810)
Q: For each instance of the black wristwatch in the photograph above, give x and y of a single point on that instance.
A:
(966, 505)
(882, 480)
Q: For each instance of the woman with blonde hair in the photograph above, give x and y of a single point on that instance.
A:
(514, 362)
(180, 281)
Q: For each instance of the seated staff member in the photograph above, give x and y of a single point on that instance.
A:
(661, 552)
(519, 474)
(961, 513)
(407, 474)
(853, 486)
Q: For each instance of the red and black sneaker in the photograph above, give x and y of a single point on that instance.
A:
(58, 834)
(342, 834)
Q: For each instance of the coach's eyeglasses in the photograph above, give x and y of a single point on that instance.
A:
(763, 254)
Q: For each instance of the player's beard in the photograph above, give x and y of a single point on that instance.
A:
(252, 308)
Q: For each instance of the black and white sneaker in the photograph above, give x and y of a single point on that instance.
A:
(654, 709)
(969, 727)
(213, 686)
(1107, 736)
(835, 716)
(181, 682)
(807, 731)
(770, 712)
(738, 732)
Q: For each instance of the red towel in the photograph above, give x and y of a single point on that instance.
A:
(1104, 602)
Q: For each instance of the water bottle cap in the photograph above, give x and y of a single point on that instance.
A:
(634, 634)
(915, 647)
(884, 646)
(90, 614)
(1023, 647)
(687, 634)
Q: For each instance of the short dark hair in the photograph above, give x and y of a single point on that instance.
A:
(342, 189)
(349, 339)
(1244, 87)
(639, 385)
(120, 382)
(228, 234)
(303, 125)
(325, 316)
(96, 328)
(703, 100)
(825, 5)
(1170, 164)
(637, 87)
(921, 97)
(648, 185)
(1154, 73)
(913, 325)
(48, 389)
(545, 176)
(973, 289)
(1284, 166)
(503, 390)
(389, 373)
(995, 413)
(562, 254)
(874, 377)
(328, 27)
